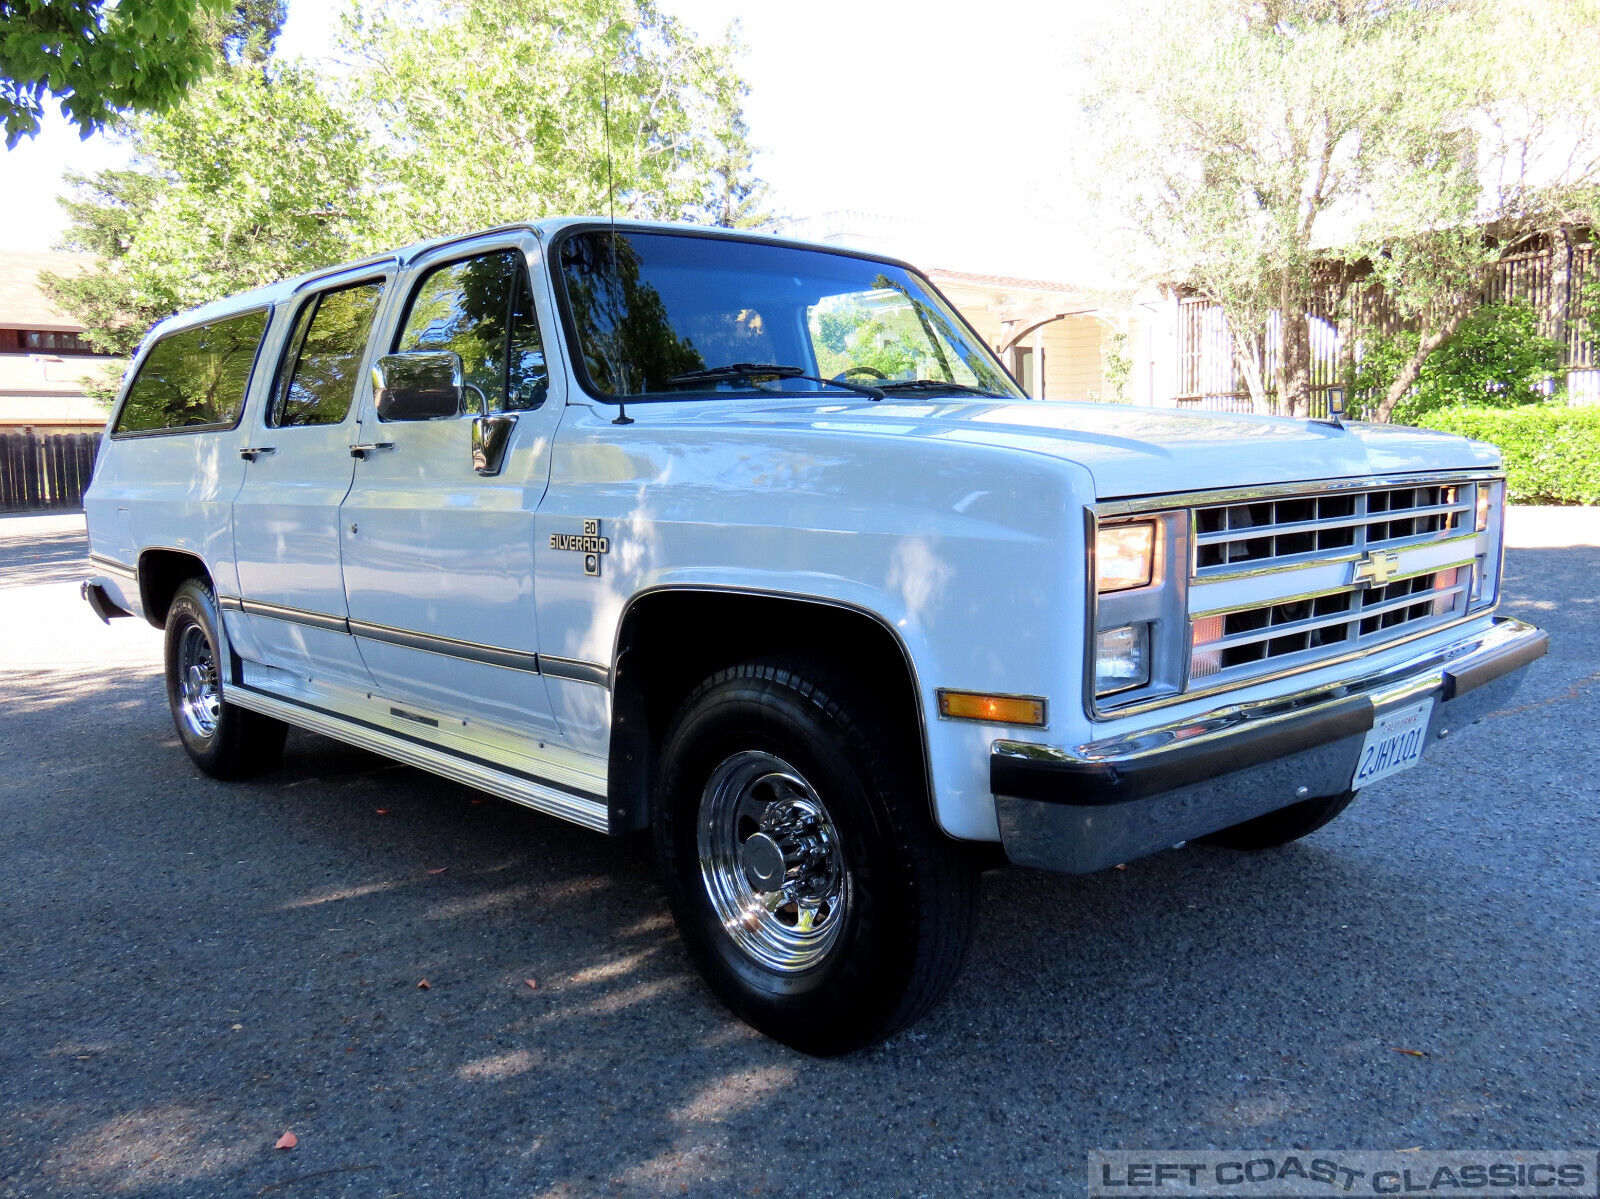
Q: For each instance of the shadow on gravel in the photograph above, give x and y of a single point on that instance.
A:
(195, 967)
(59, 556)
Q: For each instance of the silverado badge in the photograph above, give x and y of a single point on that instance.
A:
(589, 543)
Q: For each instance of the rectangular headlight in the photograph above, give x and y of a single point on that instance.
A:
(1122, 658)
(1124, 556)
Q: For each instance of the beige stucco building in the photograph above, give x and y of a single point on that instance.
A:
(1082, 338)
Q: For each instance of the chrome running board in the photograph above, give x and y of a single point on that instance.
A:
(589, 811)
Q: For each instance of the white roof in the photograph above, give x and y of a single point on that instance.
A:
(547, 227)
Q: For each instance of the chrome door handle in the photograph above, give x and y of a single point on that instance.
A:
(361, 451)
(490, 437)
(249, 453)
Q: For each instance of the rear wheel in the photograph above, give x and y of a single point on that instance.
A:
(224, 740)
(1283, 826)
(801, 861)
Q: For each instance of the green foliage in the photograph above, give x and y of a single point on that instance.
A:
(247, 31)
(1248, 141)
(1552, 452)
(498, 110)
(256, 176)
(850, 335)
(1497, 358)
(482, 114)
(99, 58)
(895, 334)
(1116, 368)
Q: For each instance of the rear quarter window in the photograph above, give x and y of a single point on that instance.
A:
(195, 378)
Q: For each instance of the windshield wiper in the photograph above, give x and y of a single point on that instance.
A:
(749, 372)
(936, 385)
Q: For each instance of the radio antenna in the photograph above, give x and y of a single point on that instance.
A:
(611, 211)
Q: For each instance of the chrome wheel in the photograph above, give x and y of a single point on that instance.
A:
(199, 697)
(771, 862)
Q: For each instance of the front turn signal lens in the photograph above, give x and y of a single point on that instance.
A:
(1205, 660)
(997, 709)
(1124, 556)
(1485, 491)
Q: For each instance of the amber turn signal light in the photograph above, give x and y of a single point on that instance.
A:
(1000, 709)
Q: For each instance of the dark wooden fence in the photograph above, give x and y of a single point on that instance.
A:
(1546, 275)
(45, 471)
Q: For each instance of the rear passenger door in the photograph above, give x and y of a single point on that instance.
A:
(300, 462)
(438, 557)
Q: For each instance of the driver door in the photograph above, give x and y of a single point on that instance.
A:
(438, 555)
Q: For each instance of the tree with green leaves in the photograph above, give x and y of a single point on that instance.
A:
(99, 58)
(255, 176)
(469, 117)
(1251, 141)
(1497, 358)
(505, 110)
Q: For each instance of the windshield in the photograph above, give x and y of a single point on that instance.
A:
(647, 309)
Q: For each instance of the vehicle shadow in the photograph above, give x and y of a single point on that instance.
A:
(53, 555)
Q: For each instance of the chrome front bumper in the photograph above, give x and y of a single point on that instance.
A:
(1084, 809)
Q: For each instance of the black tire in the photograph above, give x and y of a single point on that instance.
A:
(905, 898)
(1283, 826)
(225, 741)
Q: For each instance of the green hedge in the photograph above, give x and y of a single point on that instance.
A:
(1552, 452)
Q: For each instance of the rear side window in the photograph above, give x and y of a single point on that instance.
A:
(482, 308)
(318, 377)
(195, 378)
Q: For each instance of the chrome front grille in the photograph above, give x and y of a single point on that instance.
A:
(1301, 528)
(1284, 581)
(1304, 628)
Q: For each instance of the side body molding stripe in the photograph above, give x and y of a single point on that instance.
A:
(573, 668)
(111, 564)
(470, 651)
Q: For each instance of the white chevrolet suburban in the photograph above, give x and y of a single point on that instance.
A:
(755, 544)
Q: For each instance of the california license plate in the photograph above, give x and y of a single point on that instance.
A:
(1394, 744)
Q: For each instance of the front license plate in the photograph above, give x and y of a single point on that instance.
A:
(1394, 744)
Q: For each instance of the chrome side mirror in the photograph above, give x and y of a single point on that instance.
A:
(422, 385)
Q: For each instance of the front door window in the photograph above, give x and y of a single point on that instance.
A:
(482, 309)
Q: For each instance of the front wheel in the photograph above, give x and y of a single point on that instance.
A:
(801, 862)
(224, 740)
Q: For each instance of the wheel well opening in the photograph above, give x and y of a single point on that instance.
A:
(161, 573)
(671, 640)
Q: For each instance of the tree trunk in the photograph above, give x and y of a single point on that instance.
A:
(1558, 312)
(1346, 331)
(1427, 343)
(1294, 349)
(1247, 357)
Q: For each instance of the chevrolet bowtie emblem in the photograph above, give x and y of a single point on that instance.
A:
(1376, 569)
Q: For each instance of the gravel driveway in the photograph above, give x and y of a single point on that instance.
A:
(188, 969)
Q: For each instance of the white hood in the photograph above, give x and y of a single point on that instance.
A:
(1140, 451)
